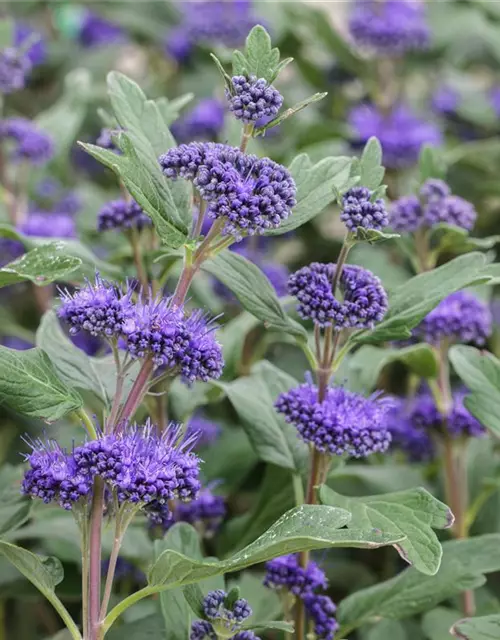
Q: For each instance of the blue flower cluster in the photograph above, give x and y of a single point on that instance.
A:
(391, 27)
(251, 99)
(122, 214)
(15, 65)
(96, 31)
(461, 317)
(358, 210)
(344, 423)
(221, 615)
(152, 328)
(251, 194)
(401, 132)
(31, 144)
(286, 573)
(436, 205)
(49, 225)
(364, 300)
(141, 465)
(205, 121)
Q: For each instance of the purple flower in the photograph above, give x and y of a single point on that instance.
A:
(205, 432)
(245, 635)
(206, 511)
(495, 100)
(201, 358)
(358, 210)
(460, 422)
(96, 31)
(408, 434)
(461, 317)
(344, 423)
(406, 214)
(202, 630)
(322, 612)
(37, 50)
(70, 204)
(10, 250)
(251, 194)
(31, 144)
(251, 99)
(54, 476)
(216, 610)
(364, 300)
(99, 308)
(14, 67)
(19, 344)
(434, 190)
(88, 343)
(401, 132)
(178, 44)
(391, 27)
(286, 573)
(450, 210)
(445, 100)
(204, 122)
(124, 570)
(122, 214)
(49, 225)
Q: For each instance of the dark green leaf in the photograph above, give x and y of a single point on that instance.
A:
(290, 112)
(448, 238)
(194, 597)
(149, 628)
(29, 385)
(413, 513)
(6, 33)
(480, 372)
(413, 300)
(44, 573)
(73, 365)
(410, 592)
(276, 625)
(371, 171)
(41, 266)
(253, 290)
(316, 188)
(386, 629)
(14, 508)
(430, 163)
(368, 363)
(436, 624)
(485, 628)
(238, 61)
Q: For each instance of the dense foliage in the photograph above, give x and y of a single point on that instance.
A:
(248, 378)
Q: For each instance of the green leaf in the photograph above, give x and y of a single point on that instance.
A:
(265, 603)
(73, 365)
(238, 61)
(413, 513)
(261, 59)
(436, 624)
(371, 171)
(275, 625)
(170, 110)
(411, 592)
(317, 185)
(431, 164)
(253, 399)
(149, 190)
(290, 112)
(6, 33)
(447, 238)
(149, 628)
(253, 290)
(304, 528)
(14, 508)
(413, 300)
(485, 628)
(367, 363)
(44, 573)
(41, 266)
(386, 629)
(194, 597)
(373, 236)
(29, 385)
(480, 372)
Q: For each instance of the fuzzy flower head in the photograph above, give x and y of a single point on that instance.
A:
(206, 512)
(25, 36)
(450, 210)
(461, 317)
(358, 210)
(445, 100)
(99, 308)
(408, 436)
(389, 28)
(122, 214)
(406, 214)
(49, 225)
(401, 132)
(286, 573)
(204, 432)
(251, 99)
(205, 121)
(434, 190)
(224, 614)
(364, 299)
(251, 194)
(53, 476)
(30, 143)
(344, 423)
(15, 66)
(321, 610)
(96, 31)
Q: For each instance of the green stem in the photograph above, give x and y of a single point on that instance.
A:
(122, 606)
(246, 136)
(89, 425)
(85, 579)
(298, 489)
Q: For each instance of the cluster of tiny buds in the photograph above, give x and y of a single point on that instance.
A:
(221, 612)
(360, 211)
(251, 99)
